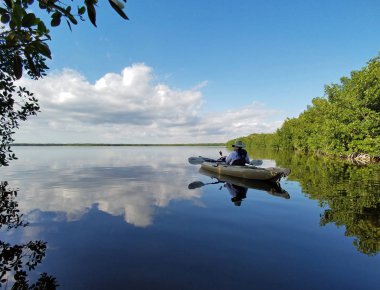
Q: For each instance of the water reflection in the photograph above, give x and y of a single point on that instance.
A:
(193, 231)
(131, 191)
(121, 182)
(18, 260)
(238, 193)
(134, 183)
(238, 187)
(349, 194)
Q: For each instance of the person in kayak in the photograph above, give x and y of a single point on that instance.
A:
(239, 156)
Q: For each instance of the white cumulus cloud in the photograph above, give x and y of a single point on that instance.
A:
(131, 107)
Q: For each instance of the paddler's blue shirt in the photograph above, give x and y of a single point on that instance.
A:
(234, 155)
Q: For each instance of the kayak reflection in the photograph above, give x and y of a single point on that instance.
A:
(238, 187)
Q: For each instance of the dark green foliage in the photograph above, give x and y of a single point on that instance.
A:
(24, 48)
(345, 121)
(12, 112)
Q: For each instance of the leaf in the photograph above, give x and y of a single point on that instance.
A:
(72, 19)
(118, 10)
(81, 10)
(5, 18)
(118, 3)
(9, 3)
(32, 67)
(91, 12)
(17, 66)
(28, 20)
(42, 28)
(17, 14)
(55, 22)
(56, 18)
(28, 50)
(42, 48)
(68, 23)
(11, 39)
(42, 5)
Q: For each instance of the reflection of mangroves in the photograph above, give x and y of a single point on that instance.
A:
(10, 216)
(16, 260)
(350, 193)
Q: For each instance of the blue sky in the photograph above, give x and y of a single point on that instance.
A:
(222, 68)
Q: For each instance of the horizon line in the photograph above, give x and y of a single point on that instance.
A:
(117, 144)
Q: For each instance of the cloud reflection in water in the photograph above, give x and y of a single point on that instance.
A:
(126, 181)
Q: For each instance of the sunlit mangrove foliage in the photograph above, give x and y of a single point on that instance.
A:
(345, 121)
(349, 195)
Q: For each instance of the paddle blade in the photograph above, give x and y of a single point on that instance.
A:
(195, 184)
(196, 160)
(199, 160)
(256, 162)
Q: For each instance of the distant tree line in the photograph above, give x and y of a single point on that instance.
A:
(345, 122)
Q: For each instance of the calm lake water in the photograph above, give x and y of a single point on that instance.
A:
(134, 218)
